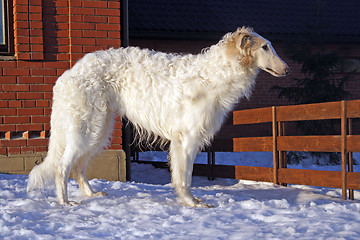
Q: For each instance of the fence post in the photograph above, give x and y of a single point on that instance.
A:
(343, 149)
(351, 159)
(282, 154)
(211, 164)
(275, 150)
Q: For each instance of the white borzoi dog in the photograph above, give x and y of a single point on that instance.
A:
(182, 99)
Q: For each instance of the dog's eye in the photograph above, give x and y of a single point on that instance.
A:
(265, 47)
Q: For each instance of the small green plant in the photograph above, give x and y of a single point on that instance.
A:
(295, 157)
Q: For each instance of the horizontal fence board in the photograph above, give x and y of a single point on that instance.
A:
(262, 174)
(222, 145)
(353, 143)
(286, 175)
(220, 171)
(309, 143)
(251, 116)
(353, 179)
(223, 171)
(253, 144)
(315, 111)
(310, 177)
(353, 109)
(318, 111)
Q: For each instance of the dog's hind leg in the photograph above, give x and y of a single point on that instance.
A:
(182, 156)
(79, 171)
(100, 142)
(62, 173)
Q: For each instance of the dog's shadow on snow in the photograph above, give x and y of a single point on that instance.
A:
(240, 191)
(158, 189)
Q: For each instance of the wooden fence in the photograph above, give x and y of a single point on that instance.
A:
(279, 143)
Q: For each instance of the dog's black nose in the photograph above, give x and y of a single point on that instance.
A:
(287, 70)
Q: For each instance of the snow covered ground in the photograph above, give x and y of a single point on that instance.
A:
(146, 208)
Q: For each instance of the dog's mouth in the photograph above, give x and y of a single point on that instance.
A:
(272, 72)
(276, 74)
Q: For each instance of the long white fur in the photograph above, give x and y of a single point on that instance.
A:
(178, 98)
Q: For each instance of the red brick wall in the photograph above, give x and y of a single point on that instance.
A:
(49, 36)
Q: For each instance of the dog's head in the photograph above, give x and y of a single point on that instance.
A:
(252, 50)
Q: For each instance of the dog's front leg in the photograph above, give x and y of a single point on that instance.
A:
(182, 156)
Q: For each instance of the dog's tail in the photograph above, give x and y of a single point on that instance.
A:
(43, 174)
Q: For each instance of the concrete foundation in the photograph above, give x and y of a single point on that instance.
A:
(109, 165)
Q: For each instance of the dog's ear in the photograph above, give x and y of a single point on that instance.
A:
(243, 41)
(239, 45)
(243, 44)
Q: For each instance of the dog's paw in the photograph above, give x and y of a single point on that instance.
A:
(73, 203)
(68, 203)
(204, 205)
(100, 194)
(197, 202)
(95, 194)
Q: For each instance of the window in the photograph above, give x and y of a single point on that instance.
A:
(5, 27)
